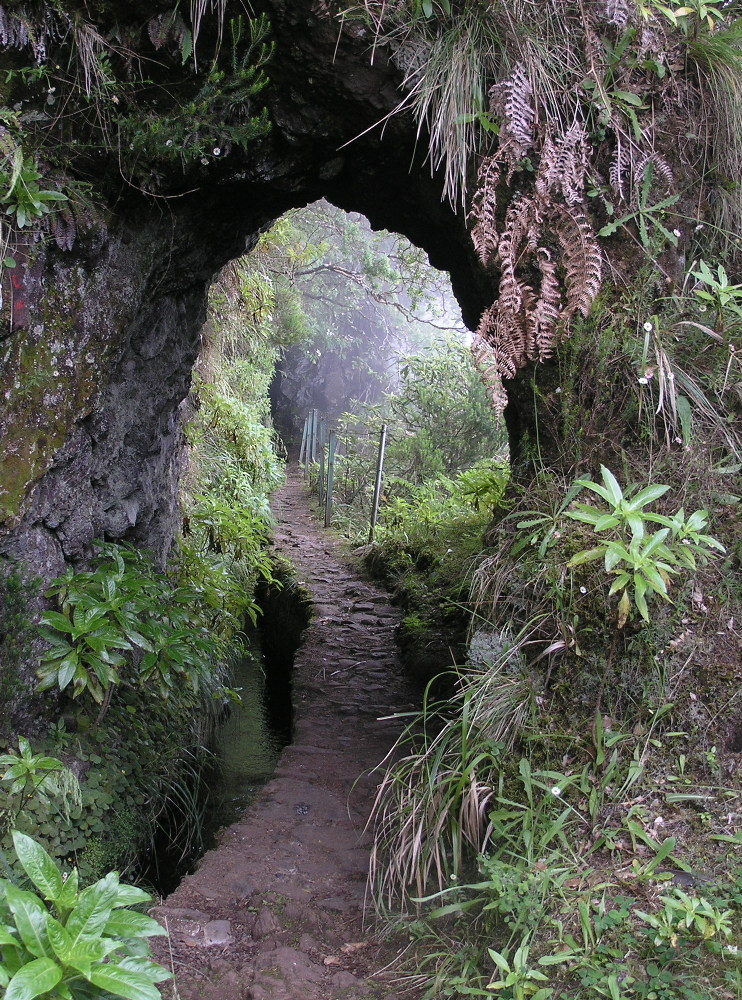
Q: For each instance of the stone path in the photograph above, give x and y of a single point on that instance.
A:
(275, 912)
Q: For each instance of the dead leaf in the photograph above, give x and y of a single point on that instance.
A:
(332, 960)
(352, 946)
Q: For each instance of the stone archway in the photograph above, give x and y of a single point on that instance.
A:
(100, 339)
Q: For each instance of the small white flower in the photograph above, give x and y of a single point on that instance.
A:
(169, 142)
(204, 161)
(648, 327)
(217, 150)
(676, 233)
(556, 790)
(702, 309)
(698, 228)
(583, 590)
(643, 380)
(558, 389)
(670, 376)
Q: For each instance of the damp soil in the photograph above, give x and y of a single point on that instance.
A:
(276, 910)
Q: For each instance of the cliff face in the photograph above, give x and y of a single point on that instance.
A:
(98, 341)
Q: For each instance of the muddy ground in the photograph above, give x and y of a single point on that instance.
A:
(276, 911)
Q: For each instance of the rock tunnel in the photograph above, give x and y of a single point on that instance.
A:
(99, 338)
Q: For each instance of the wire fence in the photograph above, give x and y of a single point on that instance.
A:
(320, 448)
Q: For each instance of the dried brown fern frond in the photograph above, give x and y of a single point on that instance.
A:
(168, 28)
(620, 12)
(484, 211)
(582, 259)
(563, 165)
(548, 311)
(511, 101)
(620, 170)
(487, 366)
(14, 33)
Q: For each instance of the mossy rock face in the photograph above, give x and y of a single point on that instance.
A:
(52, 370)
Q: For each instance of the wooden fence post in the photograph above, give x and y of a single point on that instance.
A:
(304, 435)
(330, 476)
(377, 486)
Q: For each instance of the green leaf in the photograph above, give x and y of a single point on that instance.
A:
(68, 896)
(500, 961)
(145, 967)
(67, 669)
(563, 956)
(130, 895)
(33, 979)
(586, 555)
(57, 621)
(85, 953)
(697, 520)
(595, 488)
(654, 579)
(59, 939)
(38, 865)
(655, 541)
(30, 919)
(615, 493)
(127, 924)
(612, 558)
(533, 521)
(666, 849)
(122, 982)
(619, 583)
(7, 937)
(93, 909)
(606, 521)
(640, 590)
(636, 523)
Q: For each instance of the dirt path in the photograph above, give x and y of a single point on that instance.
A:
(275, 911)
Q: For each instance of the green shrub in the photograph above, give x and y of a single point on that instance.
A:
(78, 944)
(123, 622)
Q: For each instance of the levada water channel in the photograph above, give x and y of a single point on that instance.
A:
(245, 747)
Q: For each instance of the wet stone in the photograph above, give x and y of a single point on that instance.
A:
(218, 932)
(266, 924)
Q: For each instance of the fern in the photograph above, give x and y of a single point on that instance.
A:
(548, 311)
(484, 209)
(620, 169)
(660, 175)
(581, 259)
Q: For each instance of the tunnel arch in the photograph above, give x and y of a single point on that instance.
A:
(106, 332)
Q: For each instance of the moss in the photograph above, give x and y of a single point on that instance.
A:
(52, 372)
(16, 637)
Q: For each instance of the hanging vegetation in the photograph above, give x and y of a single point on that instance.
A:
(580, 121)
